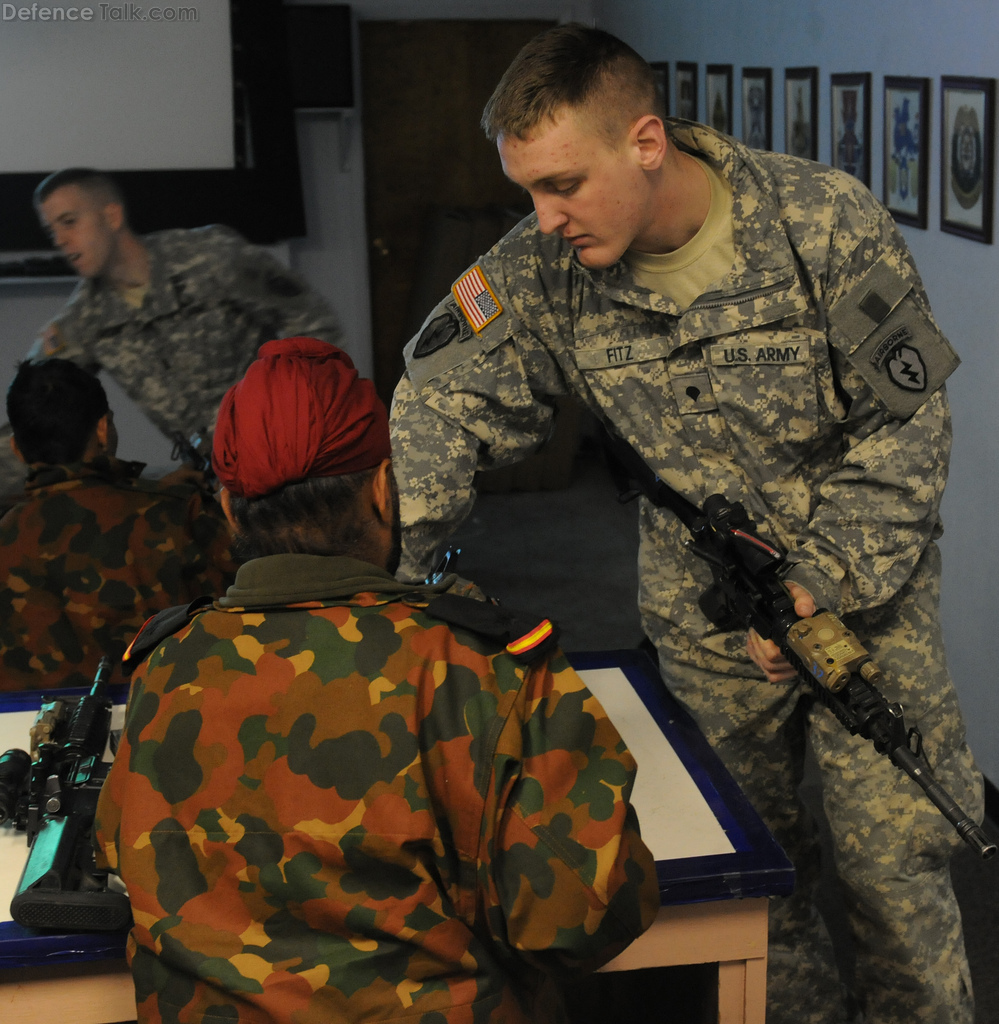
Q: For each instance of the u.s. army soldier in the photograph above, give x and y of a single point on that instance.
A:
(754, 326)
(175, 316)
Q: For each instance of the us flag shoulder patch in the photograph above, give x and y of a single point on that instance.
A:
(476, 299)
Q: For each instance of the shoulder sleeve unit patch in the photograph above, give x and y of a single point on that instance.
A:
(469, 321)
(891, 341)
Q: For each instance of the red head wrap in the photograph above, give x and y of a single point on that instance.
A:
(301, 410)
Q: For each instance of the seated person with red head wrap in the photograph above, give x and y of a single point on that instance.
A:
(332, 800)
(93, 549)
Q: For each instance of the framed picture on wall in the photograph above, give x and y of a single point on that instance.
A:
(851, 124)
(801, 112)
(660, 68)
(686, 90)
(718, 97)
(757, 108)
(906, 141)
(966, 167)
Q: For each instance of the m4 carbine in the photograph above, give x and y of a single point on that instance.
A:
(748, 590)
(52, 794)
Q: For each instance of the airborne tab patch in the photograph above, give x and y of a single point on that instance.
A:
(477, 300)
(903, 357)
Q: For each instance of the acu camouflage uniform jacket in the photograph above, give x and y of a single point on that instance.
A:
(90, 554)
(807, 385)
(213, 300)
(330, 805)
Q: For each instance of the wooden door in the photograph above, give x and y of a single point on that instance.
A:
(424, 84)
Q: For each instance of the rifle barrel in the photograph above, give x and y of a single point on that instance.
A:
(967, 828)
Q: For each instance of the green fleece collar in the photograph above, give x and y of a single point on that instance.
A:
(291, 579)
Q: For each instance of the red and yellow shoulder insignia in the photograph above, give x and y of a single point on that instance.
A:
(531, 640)
(522, 635)
(156, 629)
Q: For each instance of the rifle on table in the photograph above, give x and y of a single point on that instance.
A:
(52, 795)
(749, 591)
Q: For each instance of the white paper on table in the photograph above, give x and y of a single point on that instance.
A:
(676, 820)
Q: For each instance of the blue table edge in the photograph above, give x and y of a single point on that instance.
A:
(758, 866)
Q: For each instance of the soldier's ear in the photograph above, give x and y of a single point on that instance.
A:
(101, 432)
(225, 500)
(17, 451)
(97, 443)
(114, 216)
(381, 491)
(649, 142)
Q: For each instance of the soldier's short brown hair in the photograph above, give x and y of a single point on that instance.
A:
(96, 183)
(576, 67)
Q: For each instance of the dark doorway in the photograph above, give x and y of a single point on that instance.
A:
(424, 84)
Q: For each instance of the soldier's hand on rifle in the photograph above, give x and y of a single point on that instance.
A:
(766, 654)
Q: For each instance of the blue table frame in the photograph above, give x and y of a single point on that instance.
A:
(714, 908)
(758, 867)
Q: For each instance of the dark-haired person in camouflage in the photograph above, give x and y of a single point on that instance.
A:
(333, 802)
(754, 326)
(93, 550)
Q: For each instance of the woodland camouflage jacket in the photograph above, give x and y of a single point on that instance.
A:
(90, 554)
(330, 805)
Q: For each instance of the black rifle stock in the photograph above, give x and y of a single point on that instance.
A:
(61, 886)
(749, 591)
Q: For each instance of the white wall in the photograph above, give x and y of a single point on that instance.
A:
(917, 38)
(168, 107)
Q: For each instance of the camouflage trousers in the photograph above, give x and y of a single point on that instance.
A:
(891, 846)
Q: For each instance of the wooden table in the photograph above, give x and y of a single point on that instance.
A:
(715, 874)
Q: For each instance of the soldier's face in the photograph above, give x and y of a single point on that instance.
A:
(82, 228)
(595, 195)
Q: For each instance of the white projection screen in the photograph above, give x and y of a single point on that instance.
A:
(125, 86)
